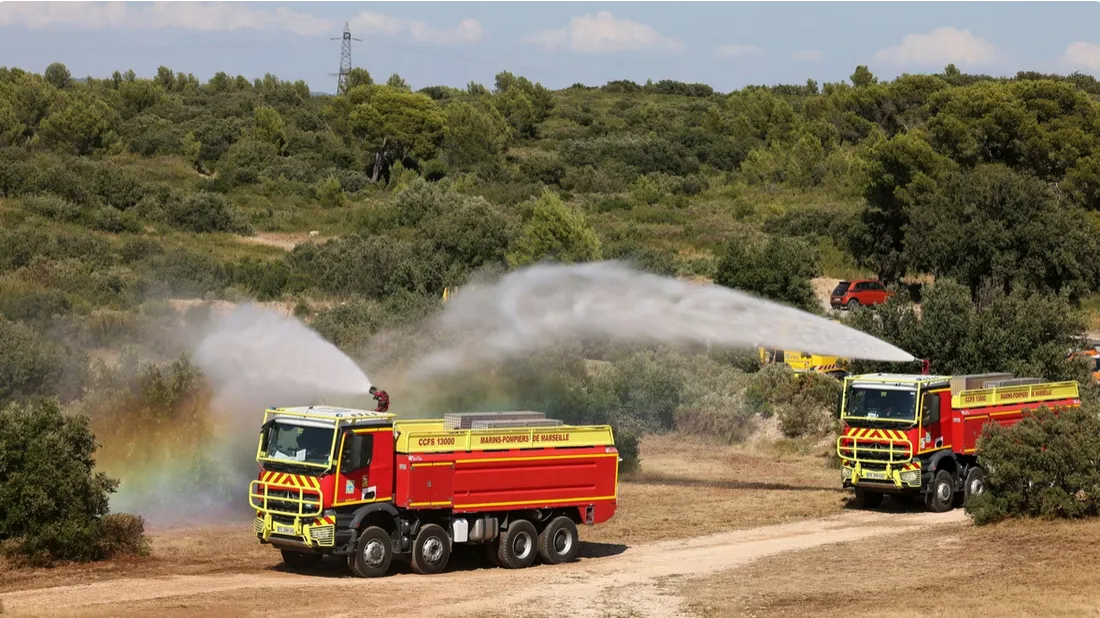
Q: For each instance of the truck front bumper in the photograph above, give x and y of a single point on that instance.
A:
(902, 478)
(316, 534)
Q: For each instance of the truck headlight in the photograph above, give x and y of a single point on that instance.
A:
(846, 473)
(910, 476)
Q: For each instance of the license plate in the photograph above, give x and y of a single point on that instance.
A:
(871, 474)
(284, 530)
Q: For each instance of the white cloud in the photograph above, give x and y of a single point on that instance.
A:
(939, 48)
(220, 16)
(732, 50)
(467, 30)
(1082, 55)
(202, 16)
(602, 33)
(807, 55)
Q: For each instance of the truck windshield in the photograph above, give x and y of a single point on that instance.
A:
(298, 444)
(881, 404)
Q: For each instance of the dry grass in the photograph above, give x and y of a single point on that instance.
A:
(1025, 568)
(689, 486)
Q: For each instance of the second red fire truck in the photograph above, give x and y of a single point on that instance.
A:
(916, 435)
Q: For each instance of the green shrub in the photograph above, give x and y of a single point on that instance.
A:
(330, 194)
(627, 443)
(205, 212)
(53, 505)
(1043, 466)
(30, 365)
(52, 207)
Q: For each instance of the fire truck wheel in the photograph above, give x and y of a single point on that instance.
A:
(300, 560)
(941, 496)
(431, 550)
(868, 499)
(975, 484)
(518, 545)
(558, 541)
(373, 553)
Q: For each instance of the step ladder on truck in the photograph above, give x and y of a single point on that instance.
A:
(913, 435)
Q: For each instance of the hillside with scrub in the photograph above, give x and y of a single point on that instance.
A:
(132, 208)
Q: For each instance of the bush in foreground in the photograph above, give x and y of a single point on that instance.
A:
(53, 505)
(1046, 466)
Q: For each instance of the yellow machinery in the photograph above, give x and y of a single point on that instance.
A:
(804, 362)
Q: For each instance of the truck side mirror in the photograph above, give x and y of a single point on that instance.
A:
(839, 404)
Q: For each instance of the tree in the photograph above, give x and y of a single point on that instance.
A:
(398, 82)
(994, 224)
(58, 75)
(357, 77)
(268, 126)
(474, 135)
(393, 124)
(1024, 332)
(554, 231)
(83, 124)
(779, 269)
(862, 77)
(897, 170)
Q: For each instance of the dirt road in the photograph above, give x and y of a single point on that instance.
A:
(609, 580)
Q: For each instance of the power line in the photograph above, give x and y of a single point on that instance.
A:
(345, 59)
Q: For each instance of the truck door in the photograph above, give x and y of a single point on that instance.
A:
(932, 435)
(365, 469)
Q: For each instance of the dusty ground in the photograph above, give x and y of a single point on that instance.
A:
(725, 532)
(1030, 568)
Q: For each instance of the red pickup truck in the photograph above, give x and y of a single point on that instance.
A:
(861, 292)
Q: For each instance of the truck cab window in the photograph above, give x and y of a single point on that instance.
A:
(930, 414)
(358, 448)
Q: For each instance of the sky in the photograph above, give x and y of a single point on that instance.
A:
(724, 44)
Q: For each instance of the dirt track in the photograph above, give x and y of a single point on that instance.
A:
(609, 580)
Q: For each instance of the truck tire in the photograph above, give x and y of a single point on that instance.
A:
(941, 495)
(373, 553)
(975, 484)
(518, 545)
(867, 499)
(431, 550)
(299, 559)
(558, 541)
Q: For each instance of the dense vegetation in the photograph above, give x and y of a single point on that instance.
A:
(121, 196)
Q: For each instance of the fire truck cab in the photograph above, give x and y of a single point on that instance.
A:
(916, 435)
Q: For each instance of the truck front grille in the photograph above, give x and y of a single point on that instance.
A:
(293, 502)
(874, 450)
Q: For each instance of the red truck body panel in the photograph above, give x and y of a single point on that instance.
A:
(485, 481)
(968, 427)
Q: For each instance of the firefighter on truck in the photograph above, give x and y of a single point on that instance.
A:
(363, 486)
(916, 435)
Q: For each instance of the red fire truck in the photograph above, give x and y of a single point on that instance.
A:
(361, 485)
(916, 435)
